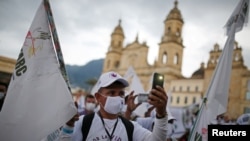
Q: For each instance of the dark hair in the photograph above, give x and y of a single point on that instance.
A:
(89, 96)
(115, 83)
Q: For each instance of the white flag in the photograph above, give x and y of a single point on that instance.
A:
(135, 83)
(239, 17)
(129, 73)
(38, 100)
(216, 98)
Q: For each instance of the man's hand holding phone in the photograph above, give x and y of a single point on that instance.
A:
(158, 96)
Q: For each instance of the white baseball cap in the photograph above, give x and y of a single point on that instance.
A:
(107, 79)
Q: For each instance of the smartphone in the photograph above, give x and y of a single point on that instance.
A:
(142, 97)
(158, 79)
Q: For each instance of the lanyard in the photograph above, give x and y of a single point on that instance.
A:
(110, 136)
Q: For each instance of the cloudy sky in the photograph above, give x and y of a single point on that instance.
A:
(84, 27)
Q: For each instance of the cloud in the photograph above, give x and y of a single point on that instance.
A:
(84, 27)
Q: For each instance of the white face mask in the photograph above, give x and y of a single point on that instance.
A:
(1, 95)
(90, 106)
(114, 104)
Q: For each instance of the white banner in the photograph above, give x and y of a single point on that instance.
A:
(38, 101)
(216, 97)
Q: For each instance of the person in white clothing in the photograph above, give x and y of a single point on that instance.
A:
(148, 123)
(107, 124)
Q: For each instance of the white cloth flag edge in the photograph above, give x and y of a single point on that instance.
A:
(70, 105)
(212, 107)
(231, 29)
(240, 14)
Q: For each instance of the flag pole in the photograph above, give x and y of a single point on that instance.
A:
(204, 100)
(54, 135)
(56, 42)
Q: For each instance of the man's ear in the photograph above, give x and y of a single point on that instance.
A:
(97, 96)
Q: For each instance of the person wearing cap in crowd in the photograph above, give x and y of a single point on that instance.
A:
(107, 124)
(89, 105)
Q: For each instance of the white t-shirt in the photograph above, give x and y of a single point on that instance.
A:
(97, 131)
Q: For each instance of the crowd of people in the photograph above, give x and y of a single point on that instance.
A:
(101, 104)
(108, 114)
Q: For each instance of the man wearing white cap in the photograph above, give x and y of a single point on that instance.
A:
(107, 124)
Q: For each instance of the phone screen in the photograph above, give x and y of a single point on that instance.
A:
(158, 79)
(142, 97)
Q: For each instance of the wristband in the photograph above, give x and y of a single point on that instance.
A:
(161, 116)
(67, 131)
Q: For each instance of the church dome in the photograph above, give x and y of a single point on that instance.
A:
(175, 13)
(199, 73)
(118, 29)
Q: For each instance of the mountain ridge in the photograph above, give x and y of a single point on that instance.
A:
(79, 74)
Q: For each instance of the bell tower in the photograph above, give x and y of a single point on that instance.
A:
(171, 47)
(113, 56)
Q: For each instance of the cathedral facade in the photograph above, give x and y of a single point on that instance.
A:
(185, 91)
(7, 66)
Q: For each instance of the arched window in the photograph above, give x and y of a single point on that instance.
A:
(178, 32)
(196, 89)
(173, 89)
(185, 100)
(212, 59)
(117, 63)
(169, 30)
(178, 100)
(217, 59)
(237, 57)
(194, 100)
(164, 58)
(176, 59)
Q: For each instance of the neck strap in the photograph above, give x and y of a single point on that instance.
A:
(109, 135)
